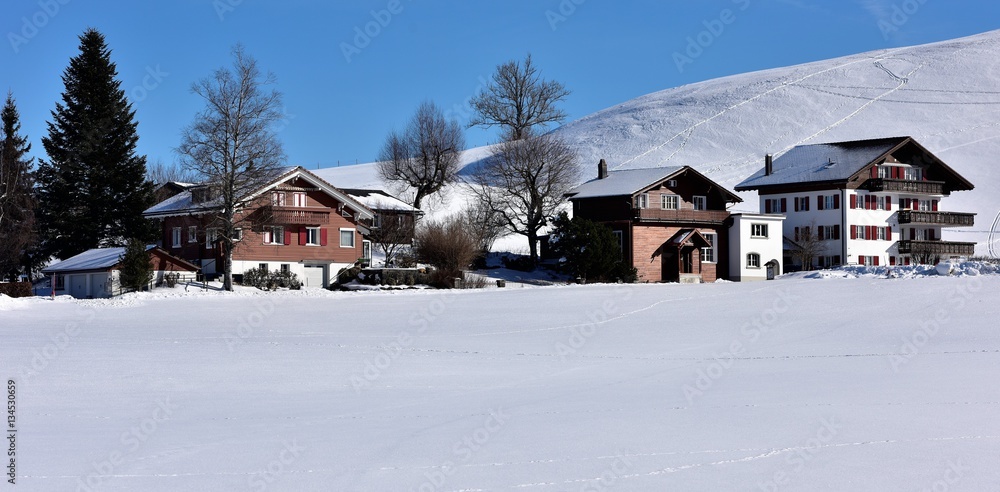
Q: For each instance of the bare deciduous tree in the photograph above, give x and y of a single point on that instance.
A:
(391, 234)
(425, 156)
(159, 173)
(232, 143)
(486, 224)
(808, 246)
(524, 183)
(518, 100)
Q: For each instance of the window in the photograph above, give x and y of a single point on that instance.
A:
(801, 203)
(299, 199)
(278, 198)
(60, 282)
(913, 174)
(700, 202)
(885, 172)
(366, 249)
(829, 232)
(262, 267)
(753, 260)
(176, 236)
(347, 238)
(925, 206)
(708, 254)
(642, 200)
(274, 235)
(881, 233)
(774, 206)
(237, 235)
(193, 234)
(669, 202)
(830, 202)
(312, 236)
(211, 236)
(758, 230)
(860, 232)
(286, 268)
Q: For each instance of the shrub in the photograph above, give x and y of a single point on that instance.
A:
(520, 263)
(16, 289)
(448, 246)
(268, 280)
(590, 251)
(171, 279)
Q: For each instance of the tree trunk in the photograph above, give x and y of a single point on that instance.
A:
(533, 246)
(227, 267)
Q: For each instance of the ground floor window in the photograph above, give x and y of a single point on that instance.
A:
(708, 254)
(176, 237)
(285, 268)
(366, 249)
(753, 260)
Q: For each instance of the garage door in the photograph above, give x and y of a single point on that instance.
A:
(315, 276)
(77, 286)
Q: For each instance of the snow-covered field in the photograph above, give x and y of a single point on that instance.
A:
(811, 382)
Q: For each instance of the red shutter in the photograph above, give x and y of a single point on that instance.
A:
(303, 236)
(892, 261)
(796, 204)
(854, 232)
(767, 206)
(819, 202)
(875, 258)
(888, 233)
(914, 204)
(888, 203)
(836, 232)
(288, 236)
(861, 260)
(805, 203)
(784, 205)
(895, 172)
(874, 171)
(322, 237)
(836, 202)
(934, 205)
(854, 202)
(819, 233)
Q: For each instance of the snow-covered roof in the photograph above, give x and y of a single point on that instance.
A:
(92, 259)
(183, 202)
(621, 183)
(380, 200)
(822, 162)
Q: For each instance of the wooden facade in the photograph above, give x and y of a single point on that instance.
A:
(673, 228)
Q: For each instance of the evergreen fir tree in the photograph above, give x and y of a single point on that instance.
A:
(17, 204)
(92, 188)
(135, 270)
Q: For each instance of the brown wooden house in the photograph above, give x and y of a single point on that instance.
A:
(297, 223)
(670, 221)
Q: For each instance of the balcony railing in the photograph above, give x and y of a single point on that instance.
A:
(941, 248)
(684, 216)
(905, 186)
(276, 215)
(946, 219)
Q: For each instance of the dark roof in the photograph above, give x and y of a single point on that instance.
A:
(838, 162)
(631, 181)
(104, 259)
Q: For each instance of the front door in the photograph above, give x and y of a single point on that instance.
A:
(670, 265)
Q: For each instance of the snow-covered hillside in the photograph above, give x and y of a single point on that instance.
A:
(798, 384)
(946, 95)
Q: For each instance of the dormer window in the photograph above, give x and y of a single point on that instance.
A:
(700, 202)
(278, 198)
(642, 200)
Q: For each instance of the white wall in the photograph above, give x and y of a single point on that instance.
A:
(741, 243)
(298, 268)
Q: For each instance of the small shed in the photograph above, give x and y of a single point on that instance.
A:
(95, 272)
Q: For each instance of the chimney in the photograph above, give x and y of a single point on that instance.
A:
(602, 169)
(768, 164)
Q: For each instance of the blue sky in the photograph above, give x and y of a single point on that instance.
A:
(344, 91)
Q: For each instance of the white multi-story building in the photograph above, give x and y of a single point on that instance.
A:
(755, 246)
(870, 202)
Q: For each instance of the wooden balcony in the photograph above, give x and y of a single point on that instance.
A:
(685, 216)
(938, 248)
(276, 215)
(905, 186)
(943, 219)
